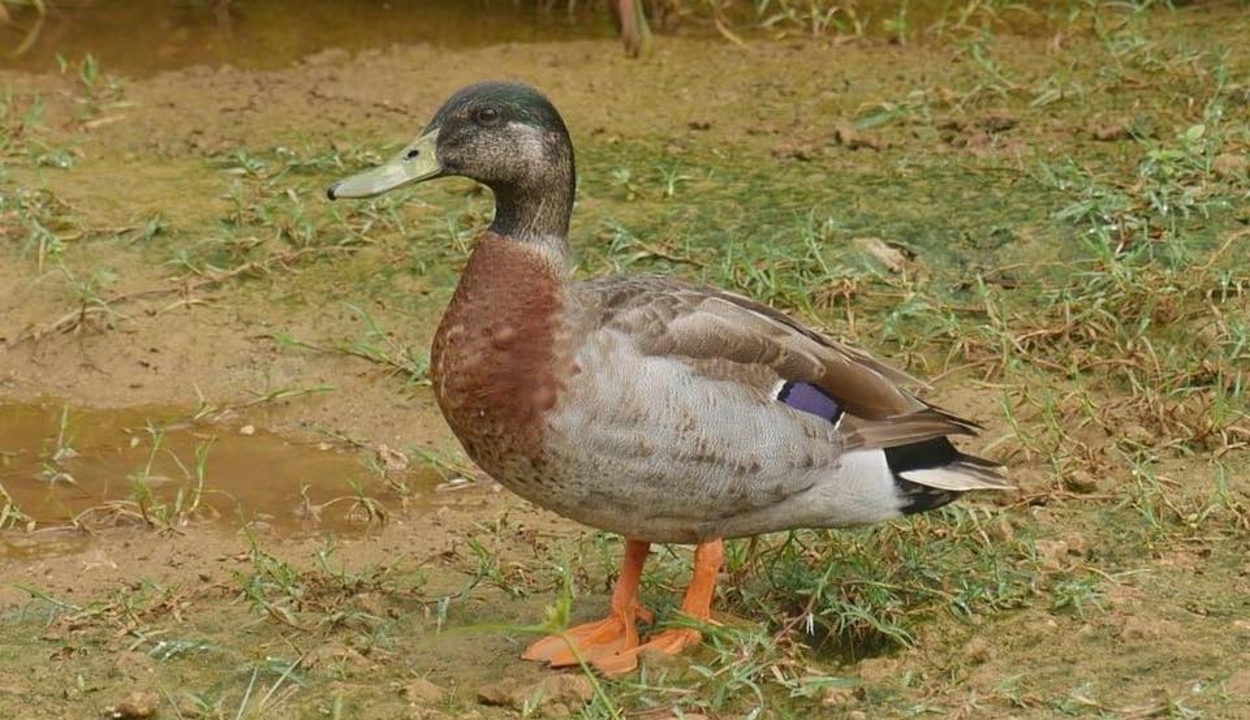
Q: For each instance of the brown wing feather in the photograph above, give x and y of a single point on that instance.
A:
(731, 337)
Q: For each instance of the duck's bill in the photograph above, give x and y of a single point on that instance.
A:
(417, 162)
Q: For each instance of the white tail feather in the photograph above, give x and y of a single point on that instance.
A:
(958, 477)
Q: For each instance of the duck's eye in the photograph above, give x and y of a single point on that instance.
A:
(486, 116)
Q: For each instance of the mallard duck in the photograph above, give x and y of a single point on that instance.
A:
(646, 406)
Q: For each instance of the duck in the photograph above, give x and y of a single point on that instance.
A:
(647, 406)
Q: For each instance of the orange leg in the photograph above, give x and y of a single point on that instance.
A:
(608, 637)
(696, 604)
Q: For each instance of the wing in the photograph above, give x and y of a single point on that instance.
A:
(733, 338)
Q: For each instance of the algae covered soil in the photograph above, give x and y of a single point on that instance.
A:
(225, 491)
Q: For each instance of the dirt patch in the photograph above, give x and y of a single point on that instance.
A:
(191, 263)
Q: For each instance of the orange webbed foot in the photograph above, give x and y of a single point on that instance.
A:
(611, 646)
(587, 642)
(612, 635)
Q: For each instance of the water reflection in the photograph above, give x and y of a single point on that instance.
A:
(138, 37)
(63, 466)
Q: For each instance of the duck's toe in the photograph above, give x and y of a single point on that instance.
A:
(669, 642)
(590, 642)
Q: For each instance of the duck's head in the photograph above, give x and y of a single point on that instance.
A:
(507, 136)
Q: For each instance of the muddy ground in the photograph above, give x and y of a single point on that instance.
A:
(171, 275)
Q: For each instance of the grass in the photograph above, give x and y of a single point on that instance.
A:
(12, 516)
(1090, 298)
(898, 21)
(375, 345)
(149, 501)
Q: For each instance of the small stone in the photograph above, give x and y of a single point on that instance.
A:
(1110, 132)
(1139, 435)
(1137, 628)
(1053, 553)
(845, 135)
(877, 670)
(133, 666)
(552, 696)
(136, 706)
(12, 688)
(1238, 684)
(1150, 629)
(1001, 530)
(576, 690)
(425, 713)
(891, 257)
(505, 693)
(391, 459)
(1076, 544)
(997, 122)
(557, 711)
(186, 706)
(851, 139)
(372, 604)
(978, 651)
(1229, 165)
(423, 692)
(338, 655)
(791, 151)
(838, 697)
(1080, 481)
(333, 56)
(247, 430)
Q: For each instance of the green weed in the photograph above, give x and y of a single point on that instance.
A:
(100, 91)
(41, 223)
(321, 597)
(11, 516)
(1084, 293)
(56, 459)
(375, 345)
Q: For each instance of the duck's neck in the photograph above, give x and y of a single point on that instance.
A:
(535, 211)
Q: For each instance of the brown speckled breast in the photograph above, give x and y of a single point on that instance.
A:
(494, 363)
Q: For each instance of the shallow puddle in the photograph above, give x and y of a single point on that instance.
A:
(270, 34)
(61, 466)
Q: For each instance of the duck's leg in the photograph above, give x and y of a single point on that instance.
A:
(608, 637)
(696, 604)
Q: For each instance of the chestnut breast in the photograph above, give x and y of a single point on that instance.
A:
(495, 364)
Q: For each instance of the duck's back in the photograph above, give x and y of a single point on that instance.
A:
(671, 438)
